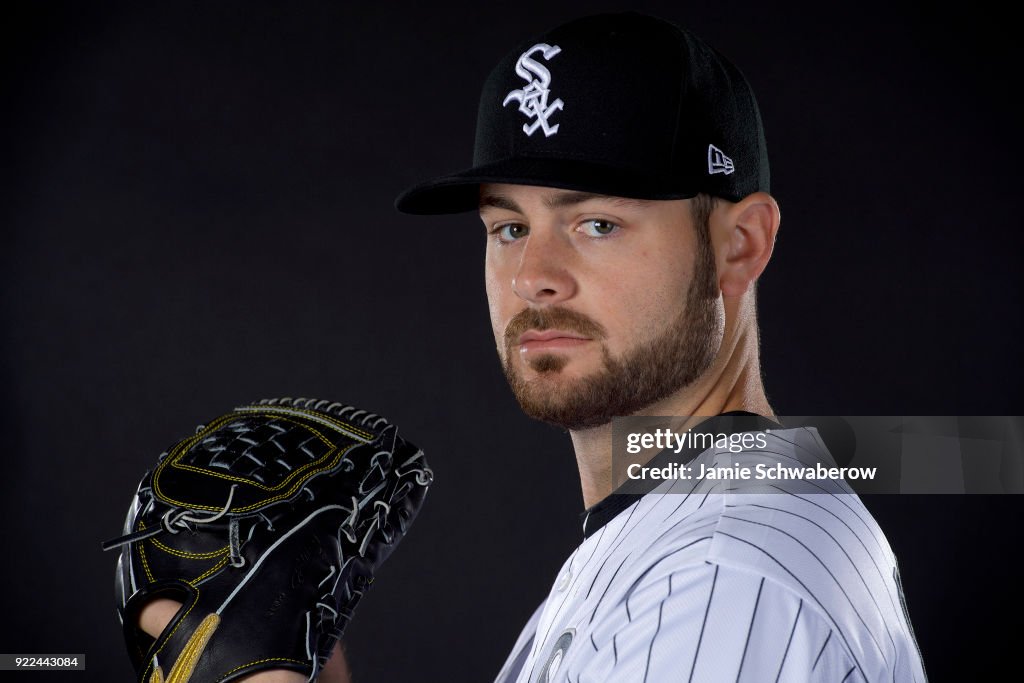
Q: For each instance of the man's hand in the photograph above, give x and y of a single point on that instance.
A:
(157, 614)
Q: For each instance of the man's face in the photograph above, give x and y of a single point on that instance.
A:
(600, 306)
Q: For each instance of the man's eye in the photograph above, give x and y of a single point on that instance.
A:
(510, 232)
(596, 227)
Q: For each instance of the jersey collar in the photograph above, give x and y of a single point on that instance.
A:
(733, 422)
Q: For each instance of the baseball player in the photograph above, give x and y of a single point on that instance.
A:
(621, 175)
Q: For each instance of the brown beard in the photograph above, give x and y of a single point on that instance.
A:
(649, 372)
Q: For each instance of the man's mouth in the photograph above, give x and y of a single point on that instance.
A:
(534, 341)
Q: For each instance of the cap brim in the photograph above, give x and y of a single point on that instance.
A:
(460, 192)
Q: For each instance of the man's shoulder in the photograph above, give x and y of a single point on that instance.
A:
(816, 538)
(764, 533)
(825, 551)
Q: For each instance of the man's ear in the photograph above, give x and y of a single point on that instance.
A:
(744, 236)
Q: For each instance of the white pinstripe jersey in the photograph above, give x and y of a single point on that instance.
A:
(781, 581)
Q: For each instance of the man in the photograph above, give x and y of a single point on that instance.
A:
(621, 175)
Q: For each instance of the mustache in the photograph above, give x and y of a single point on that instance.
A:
(548, 318)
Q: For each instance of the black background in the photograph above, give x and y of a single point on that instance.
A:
(197, 212)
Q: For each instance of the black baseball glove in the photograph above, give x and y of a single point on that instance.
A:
(267, 525)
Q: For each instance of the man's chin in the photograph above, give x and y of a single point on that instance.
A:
(557, 405)
(563, 397)
(555, 367)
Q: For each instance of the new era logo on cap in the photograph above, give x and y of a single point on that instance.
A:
(718, 162)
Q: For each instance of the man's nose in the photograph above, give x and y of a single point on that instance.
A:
(544, 273)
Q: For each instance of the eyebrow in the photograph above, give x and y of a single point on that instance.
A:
(557, 200)
(497, 201)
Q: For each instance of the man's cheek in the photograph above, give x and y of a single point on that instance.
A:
(498, 325)
(493, 307)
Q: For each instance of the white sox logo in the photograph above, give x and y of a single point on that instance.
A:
(533, 99)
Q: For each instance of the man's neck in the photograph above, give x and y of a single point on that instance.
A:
(730, 385)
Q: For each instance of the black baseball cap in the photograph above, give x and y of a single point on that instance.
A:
(619, 104)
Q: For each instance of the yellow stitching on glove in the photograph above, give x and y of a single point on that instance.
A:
(182, 670)
(263, 661)
(145, 564)
(334, 456)
(187, 555)
(184, 446)
(193, 582)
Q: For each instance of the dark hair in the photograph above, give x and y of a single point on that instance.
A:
(701, 208)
